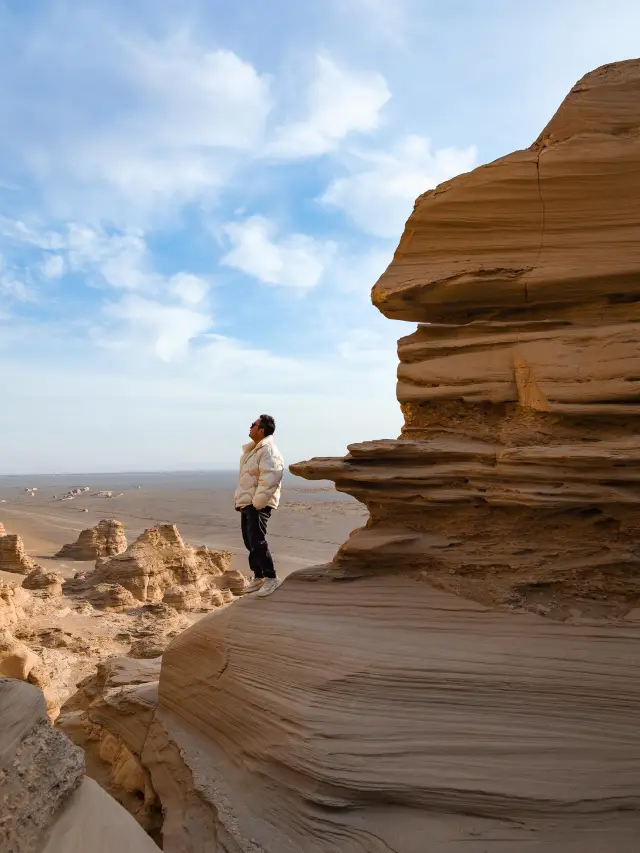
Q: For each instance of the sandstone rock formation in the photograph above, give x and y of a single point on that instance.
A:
(514, 478)
(106, 539)
(47, 803)
(16, 659)
(157, 562)
(19, 661)
(109, 717)
(13, 601)
(47, 581)
(13, 557)
(154, 626)
(364, 708)
(110, 596)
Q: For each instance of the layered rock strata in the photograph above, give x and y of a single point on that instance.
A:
(363, 706)
(13, 557)
(46, 581)
(106, 539)
(515, 477)
(47, 803)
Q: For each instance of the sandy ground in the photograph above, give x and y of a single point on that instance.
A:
(310, 525)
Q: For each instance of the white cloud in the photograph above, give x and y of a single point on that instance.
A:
(381, 187)
(179, 118)
(12, 286)
(356, 273)
(293, 260)
(120, 257)
(17, 231)
(189, 289)
(200, 97)
(386, 20)
(339, 102)
(53, 266)
(167, 329)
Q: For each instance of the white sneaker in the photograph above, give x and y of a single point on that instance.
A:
(254, 586)
(270, 585)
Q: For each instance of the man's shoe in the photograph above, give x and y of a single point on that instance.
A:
(254, 586)
(269, 586)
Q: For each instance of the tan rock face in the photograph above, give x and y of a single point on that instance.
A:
(50, 582)
(159, 561)
(47, 803)
(104, 540)
(514, 478)
(16, 659)
(111, 596)
(109, 717)
(13, 603)
(13, 557)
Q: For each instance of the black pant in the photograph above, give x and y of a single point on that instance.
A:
(254, 534)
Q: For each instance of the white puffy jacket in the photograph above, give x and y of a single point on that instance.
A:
(261, 469)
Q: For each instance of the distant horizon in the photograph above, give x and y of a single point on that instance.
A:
(128, 473)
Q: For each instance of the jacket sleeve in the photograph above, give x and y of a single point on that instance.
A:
(270, 477)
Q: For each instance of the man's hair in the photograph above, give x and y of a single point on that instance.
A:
(268, 424)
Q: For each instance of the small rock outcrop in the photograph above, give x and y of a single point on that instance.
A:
(106, 539)
(109, 717)
(47, 802)
(14, 601)
(158, 562)
(16, 659)
(13, 557)
(47, 581)
(110, 596)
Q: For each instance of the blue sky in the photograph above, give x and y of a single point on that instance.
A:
(196, 198)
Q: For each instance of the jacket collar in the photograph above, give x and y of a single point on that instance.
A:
(248, 448)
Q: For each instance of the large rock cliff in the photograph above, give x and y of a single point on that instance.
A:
(515, 478)
(364, 707)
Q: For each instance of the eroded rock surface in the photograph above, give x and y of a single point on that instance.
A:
(514, 479)
(13, 557)
(47, 803)
(109, 717)
(106, 539)
(46, 581)
(14, 604)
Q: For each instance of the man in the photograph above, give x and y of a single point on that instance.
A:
(258, 493)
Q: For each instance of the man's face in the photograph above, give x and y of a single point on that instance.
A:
(256, 433)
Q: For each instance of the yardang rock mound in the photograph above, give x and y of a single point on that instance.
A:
(155, 565)
(13, 557)
(106, 539)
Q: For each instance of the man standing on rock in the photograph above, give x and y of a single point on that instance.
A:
(258, 493)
